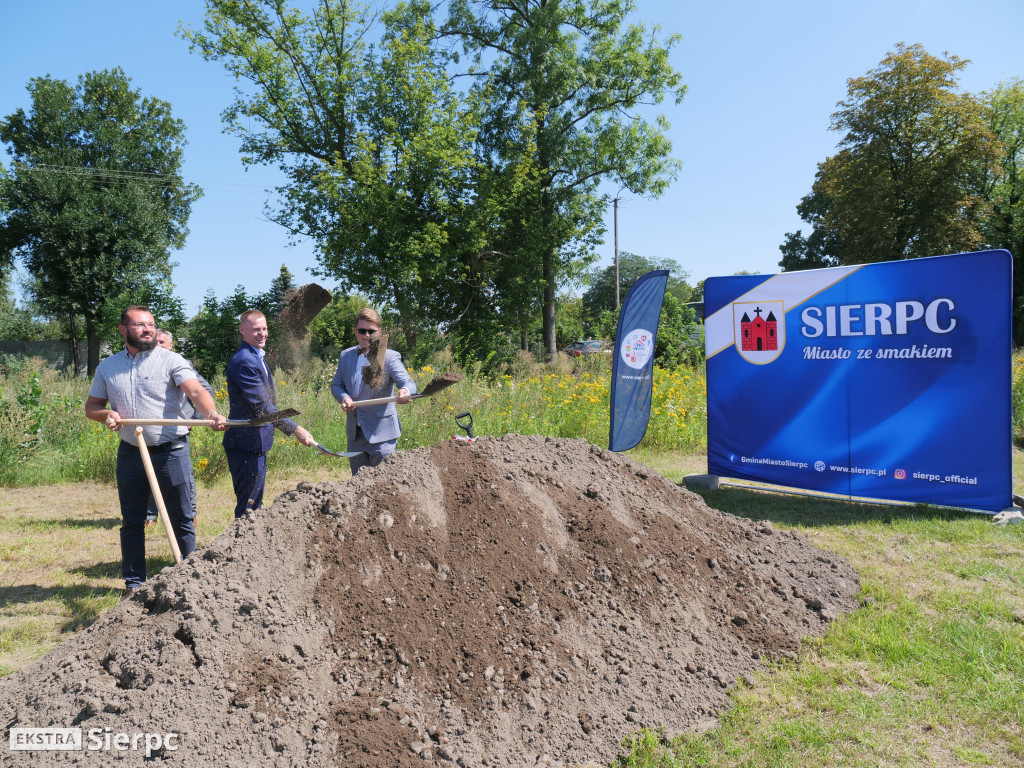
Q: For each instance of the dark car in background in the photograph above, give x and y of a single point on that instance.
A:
(585, 348)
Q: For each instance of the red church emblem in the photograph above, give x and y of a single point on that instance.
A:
(759, 334)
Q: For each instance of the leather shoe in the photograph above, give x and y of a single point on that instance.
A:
(129, 593)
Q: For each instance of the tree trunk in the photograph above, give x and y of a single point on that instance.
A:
(550, 340)
(548, 217)
(76, 367)
(405, 324)
(94, 344)
(411, 338)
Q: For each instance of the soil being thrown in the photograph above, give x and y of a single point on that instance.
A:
(510, 602)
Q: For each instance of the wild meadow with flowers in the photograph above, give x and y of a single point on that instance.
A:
(45, 437)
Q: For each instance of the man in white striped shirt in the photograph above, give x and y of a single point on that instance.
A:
(145, 381)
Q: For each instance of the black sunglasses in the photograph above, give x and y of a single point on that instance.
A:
(365, 331)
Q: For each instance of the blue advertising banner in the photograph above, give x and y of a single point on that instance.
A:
(887, 381)
(633, 360)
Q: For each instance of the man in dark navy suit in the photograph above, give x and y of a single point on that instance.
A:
(251, 394)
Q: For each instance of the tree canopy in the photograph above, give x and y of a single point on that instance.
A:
(905, 182)
(1004, 187)
(600, 295)
(460, 209)
(567, 80)
(94, 200)
(357, 109)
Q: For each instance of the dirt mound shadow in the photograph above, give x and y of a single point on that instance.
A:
(509, 602)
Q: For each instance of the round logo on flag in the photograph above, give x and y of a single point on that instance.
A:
(637, 348)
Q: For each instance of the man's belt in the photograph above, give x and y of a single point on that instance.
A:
(161, 447)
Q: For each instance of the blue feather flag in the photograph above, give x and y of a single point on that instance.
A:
(633, 361)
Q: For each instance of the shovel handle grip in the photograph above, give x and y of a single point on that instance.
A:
(381, 400)
(167, 423)
(465, 420)
(179, 423)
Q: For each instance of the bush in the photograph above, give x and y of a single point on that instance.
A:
(1017, 398)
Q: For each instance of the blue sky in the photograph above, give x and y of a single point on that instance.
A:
(763, 79)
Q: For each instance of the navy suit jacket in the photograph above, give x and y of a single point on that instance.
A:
(379, 422)
(251, 394)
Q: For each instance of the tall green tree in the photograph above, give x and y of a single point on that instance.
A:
(376, 145)
(280, 287)
(212, 336)
(1004, 187)
(821, 248)
(905, 182)
(600, 295)
(575, 75)
(94, 200)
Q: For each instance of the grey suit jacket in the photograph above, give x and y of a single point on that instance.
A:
(379, 423)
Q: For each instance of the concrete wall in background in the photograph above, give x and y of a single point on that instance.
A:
(57, 354)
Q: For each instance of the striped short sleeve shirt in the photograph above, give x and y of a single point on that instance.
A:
(146, 386)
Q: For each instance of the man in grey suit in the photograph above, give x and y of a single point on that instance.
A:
(373, 430)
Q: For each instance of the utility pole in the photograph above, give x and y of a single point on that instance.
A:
(616, 220)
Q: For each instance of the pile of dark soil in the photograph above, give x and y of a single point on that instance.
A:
(508, 602)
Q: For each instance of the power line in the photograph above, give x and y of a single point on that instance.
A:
(103, 175)
(116, 176)
(699, 214)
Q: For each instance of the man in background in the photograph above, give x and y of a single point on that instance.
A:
(145, 381)
(165, 339)
(251, 394)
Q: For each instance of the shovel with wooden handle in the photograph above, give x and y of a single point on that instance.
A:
(436, 384)
(154, 486)
(267, 418)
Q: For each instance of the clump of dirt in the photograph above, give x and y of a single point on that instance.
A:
(291, 345)
(376, 349)
(441, 381)
(509, 602)
(303, 304)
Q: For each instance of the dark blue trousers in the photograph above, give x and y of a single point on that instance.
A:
(248, 476)
(173, 469)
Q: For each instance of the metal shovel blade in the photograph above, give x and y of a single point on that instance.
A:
(341, 454)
